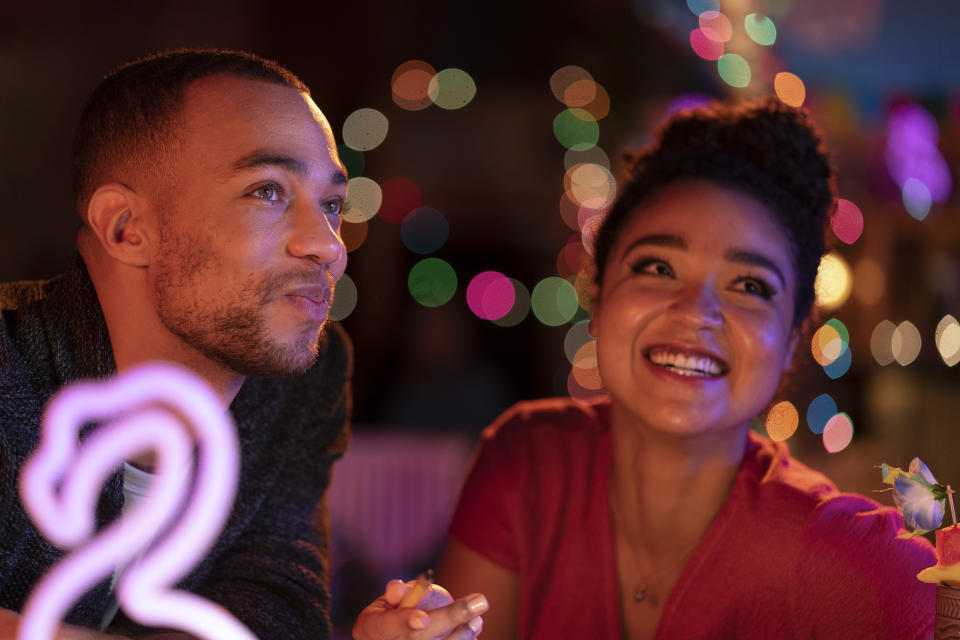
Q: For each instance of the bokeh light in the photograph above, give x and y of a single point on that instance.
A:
(452, 89)
(554, 301)
(593, 155)
(905, 343)
(566, 76)
(948, 340)
(585, 370)
(841, 365)
(410, 85)
(588, 232)
(580, 93)
(704, 46)
(577, 335)
(760, 28)
(354, 234)
(521, 306)
(821, 409)
(344, 298)
(576, 129)
(847, 221)
(716, 26)
(569, 211)
(424, 230)
(881, 342)
(399, 197)
(837, 433)
(575, 390)
(365, 198)
(352, 160)
(782, 421)
(583, 285)
(912, 152)
(591, 183)
(833, 283)
(572, 257)
(490, 295)
(700, 6)
(365, 129)
(827, 345)
(599, 107)
(734, 70)
(432, 282)
(916, 198)
(871, 281)
(790, 89)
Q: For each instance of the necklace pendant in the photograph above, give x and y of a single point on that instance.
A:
(640, 593)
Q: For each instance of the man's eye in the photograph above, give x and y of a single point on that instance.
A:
(333, 207)
(269, 192)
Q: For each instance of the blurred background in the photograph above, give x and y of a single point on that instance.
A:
(482, 139)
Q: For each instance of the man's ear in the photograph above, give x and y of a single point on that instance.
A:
(116, 216)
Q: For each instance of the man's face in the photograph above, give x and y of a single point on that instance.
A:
(249, 231)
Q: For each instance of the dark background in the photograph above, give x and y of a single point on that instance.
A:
(495, 169)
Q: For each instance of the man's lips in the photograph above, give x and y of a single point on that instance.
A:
(686, 361)
(314, 300)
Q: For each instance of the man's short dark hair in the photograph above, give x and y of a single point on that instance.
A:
(130, 119)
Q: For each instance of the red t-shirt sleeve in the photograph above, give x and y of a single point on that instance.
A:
(860, 577)
(486, 518)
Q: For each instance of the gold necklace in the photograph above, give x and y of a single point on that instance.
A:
(642, 593)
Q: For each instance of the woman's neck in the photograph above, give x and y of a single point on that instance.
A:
(665, 489)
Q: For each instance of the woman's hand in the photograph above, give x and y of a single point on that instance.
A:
(437, 615)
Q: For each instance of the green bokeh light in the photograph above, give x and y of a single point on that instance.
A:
(352, 160)
(452, 89)
(432, 282)
(761, 29)
(734, 70)
(576, 129)
(554, 301)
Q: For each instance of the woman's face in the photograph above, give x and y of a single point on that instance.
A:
(694, 320)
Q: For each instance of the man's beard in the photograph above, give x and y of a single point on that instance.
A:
(231, 330)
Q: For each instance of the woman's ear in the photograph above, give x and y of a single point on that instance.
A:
(795, 334)
(116, 217)
(594, 307)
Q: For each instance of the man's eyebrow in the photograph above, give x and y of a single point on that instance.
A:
(752, 258)
(290, 163)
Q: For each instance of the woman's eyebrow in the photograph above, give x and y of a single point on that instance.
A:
(754, 259)
(658, 240)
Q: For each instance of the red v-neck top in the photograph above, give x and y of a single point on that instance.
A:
(786, 556)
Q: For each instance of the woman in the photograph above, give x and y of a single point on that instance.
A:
(655, 511)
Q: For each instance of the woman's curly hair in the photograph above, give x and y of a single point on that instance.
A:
(766, 149)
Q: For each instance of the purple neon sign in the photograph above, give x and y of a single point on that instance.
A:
(154, 407)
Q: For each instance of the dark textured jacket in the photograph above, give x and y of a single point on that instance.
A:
(269, 565)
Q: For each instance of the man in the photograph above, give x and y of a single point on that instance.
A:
(210, 196)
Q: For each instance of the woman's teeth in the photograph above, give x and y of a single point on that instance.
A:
(686, 365)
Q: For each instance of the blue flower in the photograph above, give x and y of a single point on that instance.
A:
(915, 499)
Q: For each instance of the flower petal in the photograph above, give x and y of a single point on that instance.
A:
(917, 466)
(920, 509)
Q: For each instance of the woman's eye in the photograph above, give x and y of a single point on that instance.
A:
(652, 266)
(269, 192)
(755, 287)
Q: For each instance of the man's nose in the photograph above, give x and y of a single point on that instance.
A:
(314, 234)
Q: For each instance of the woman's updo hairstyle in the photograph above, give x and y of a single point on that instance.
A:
(766, 149)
